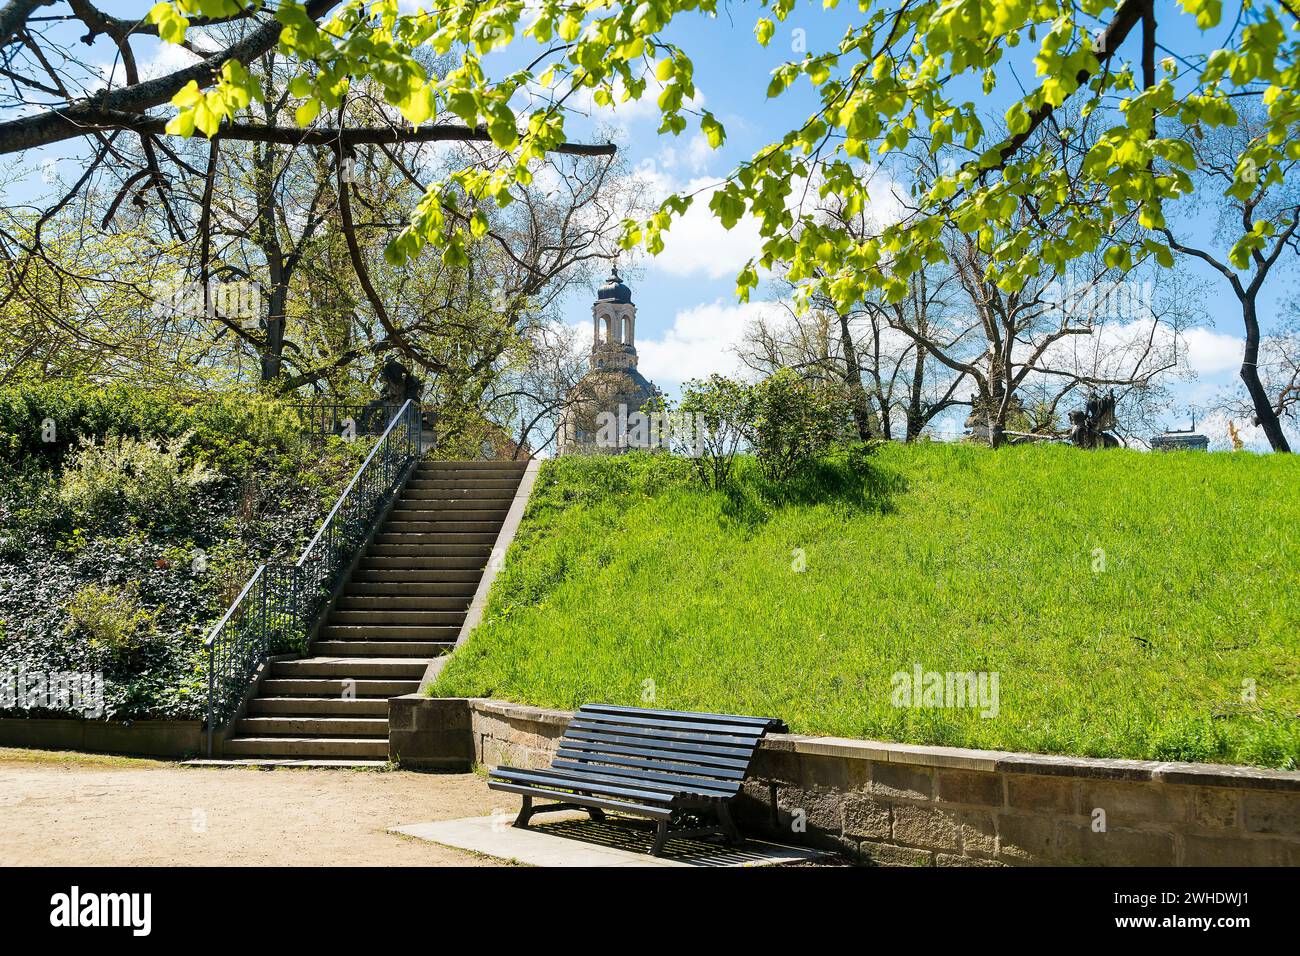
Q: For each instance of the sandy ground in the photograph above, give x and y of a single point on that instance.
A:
(82, 810)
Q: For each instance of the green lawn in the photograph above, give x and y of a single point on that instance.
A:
(629, 583)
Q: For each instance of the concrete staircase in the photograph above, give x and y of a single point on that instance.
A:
(403, 606)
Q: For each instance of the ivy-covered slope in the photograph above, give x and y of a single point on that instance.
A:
(129, 520)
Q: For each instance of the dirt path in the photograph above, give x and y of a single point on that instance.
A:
(82, 810)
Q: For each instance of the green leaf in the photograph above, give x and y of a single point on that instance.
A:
(307, 112)
(712, 130)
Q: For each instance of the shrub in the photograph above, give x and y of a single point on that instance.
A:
(722, 409)
(141, 478)
(112, 622)
(233, 429)
(792, 421)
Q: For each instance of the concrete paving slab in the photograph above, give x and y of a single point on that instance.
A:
(575, 840)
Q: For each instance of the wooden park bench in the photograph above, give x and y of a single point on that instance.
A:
(668, 766)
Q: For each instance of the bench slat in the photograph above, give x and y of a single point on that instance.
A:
(746, 739)
(701, 726)
(571, 782)
(704, 760)
(768, 723)
(639, 809)
(670, 780)
(626, 761)
(584, 775)
(686, 748)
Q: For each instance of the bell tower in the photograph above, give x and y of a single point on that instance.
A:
(613, 315)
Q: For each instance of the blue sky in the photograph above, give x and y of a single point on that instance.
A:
(688, 319)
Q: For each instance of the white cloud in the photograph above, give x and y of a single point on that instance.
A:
(697, 243)
(701, 341)
(1212, 353)
(691, 157)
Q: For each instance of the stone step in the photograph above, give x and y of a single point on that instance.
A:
(372, 747)
(358, 668)
(439, 575)
(467, 484)
(428, 535)
(430, 552)
(475, 561)
(320, 687)
(397, 648)
(461, 590)
(482, 497)
(416, 618)
(389, 632)
(496, 505)
(401, 603)
(385, 543)
(405, 512)
(312, 727)
(323, 706)
(446, 531)
(512, 466)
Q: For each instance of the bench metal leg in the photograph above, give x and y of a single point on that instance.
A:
(525, 813)
(597, 814)
(661, 837)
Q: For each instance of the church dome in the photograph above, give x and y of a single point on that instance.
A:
(614, 290)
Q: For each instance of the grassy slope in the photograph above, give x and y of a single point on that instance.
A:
(955, 558)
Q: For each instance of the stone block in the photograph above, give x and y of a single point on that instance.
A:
(1202, 850)
(1115, 846)
(1129, 804)
(831, 773)
(1026, 838)
(1050, 794)
(927, 826)
(814, 810)
(885, 854)
(901, 781)
(947, 859)
(865, 818)
(979, 832)
(1276, 813)
(1216, 809)
(963, 786)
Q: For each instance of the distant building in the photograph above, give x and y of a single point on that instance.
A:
(1180, 440)
(612, 385)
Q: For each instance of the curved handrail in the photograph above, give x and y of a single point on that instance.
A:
(329, 519)
(230, 612)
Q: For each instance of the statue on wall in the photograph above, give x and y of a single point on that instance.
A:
(1090, 426)
(396, 386)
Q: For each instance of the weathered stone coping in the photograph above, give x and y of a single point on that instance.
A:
(989, 761)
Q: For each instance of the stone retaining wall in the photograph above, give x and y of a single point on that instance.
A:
(910, 805)
(146, 738)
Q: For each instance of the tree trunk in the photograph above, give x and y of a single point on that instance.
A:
(853, 378)
(915, 417)
(1264, 412)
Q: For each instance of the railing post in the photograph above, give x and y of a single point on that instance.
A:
(211, 649)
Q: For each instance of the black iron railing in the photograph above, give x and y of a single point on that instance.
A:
(344, 418)
(280, 604)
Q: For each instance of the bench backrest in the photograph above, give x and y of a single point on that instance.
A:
(704, 753)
